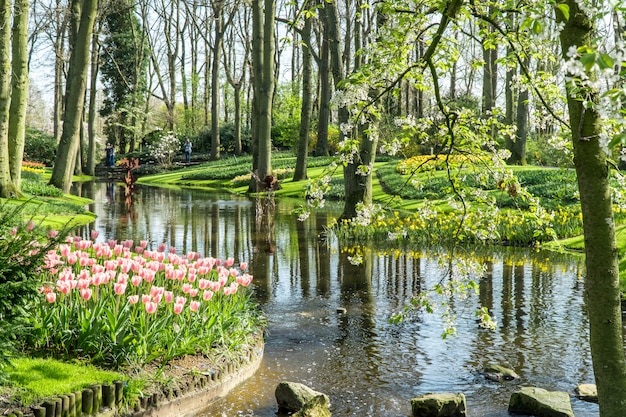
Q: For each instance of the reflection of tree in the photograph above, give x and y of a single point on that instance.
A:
(322, 257)
(357, 327)
(303, 257)
(263, 245)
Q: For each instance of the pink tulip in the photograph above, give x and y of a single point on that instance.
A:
(187, 288)
(119, 289)
(233, 272)
(64, 287)
(72, 258)
(169, 296)
(127, 243)
(244, 279)
(151, 307)
(178, 308)
(243, 266)
(53, 233)
(172, 250)
(13, 231)
(146, 298)
(194, 305)
(207, 295)
(138, 249)
(161, 247)
(110, 265)
(125, 265)
(133, 299)
(30, 226)
(203, 270)
(193, 292)
(148, 275)
(85, 293)
(51, 297)
(136, 280)
(83, 284)
(122, 278)
(98, 279)
(144, 243)
(229, 262)
(181, 300)
(154, 291)
(203, 284)
(94, 234)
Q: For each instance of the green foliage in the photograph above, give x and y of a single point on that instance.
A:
(549, 150)
(23, 247)
(123, 66)
(39, 188)
(39, 147)
(227, 139)
(230, 168)
(286, 117)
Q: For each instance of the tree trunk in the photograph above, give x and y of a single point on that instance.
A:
(19, 89)
(602, 276)
(306, 108)
(323, 119)
(218, 13)
(92, 115)
(263, 79)
(6, 185)
(75, 99)
(518, 147)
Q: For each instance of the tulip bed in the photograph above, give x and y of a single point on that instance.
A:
(120, 304)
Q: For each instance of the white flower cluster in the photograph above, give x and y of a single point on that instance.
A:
(164, 150)
(366, 213)
(316, 190)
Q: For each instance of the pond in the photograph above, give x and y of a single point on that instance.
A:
(368, 366)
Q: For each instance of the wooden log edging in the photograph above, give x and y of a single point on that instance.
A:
(106, 400)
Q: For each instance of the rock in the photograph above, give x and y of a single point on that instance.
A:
(587, 392)
(319, 406)
(498, 373)
(541, 403)
(439, 405)
(292, 396)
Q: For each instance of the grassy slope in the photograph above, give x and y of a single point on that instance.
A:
(39, 378)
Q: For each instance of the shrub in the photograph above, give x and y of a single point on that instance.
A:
(39, 147)
(23, 246)
(164, 149)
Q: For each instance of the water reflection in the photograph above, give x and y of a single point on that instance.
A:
(368, 366)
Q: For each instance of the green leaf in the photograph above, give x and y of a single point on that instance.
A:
(588, 60)
(605, 61)
(619, 139)
(564, 8)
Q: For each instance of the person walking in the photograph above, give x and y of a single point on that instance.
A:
(187, 151)
(109, 156)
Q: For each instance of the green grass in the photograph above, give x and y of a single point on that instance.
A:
(31, 379)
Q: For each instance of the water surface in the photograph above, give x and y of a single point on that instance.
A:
(366, 365)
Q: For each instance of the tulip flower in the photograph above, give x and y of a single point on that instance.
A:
(151, 307)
